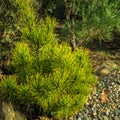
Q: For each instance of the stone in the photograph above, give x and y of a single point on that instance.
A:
(104, 71)
(87, 118)
(79, 118)
(94, 113)
(71, 118)
(117, 112)
(105, 118)
(19, 116)
(80, 115)
(7, 112)
(105, 68)
(116, 118)
(107, 112)
(44, 118)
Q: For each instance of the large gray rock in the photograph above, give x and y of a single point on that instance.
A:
(7, 112)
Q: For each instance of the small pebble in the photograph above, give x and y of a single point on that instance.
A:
(116, 118)
(105, 118)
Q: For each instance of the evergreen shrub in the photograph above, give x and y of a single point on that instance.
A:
(93, 20)
(86, 20)
(47, 75)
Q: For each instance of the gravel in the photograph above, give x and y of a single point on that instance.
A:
(110, 110)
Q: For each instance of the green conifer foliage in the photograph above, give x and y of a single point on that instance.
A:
(92, 19)
(22, 60)
(47, 74)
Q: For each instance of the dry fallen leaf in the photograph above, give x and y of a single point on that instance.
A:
(104, 96)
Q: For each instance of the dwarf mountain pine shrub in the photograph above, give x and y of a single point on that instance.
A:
(60, 86)
(47, 75)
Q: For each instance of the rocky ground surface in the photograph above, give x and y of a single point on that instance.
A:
(104, 102)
